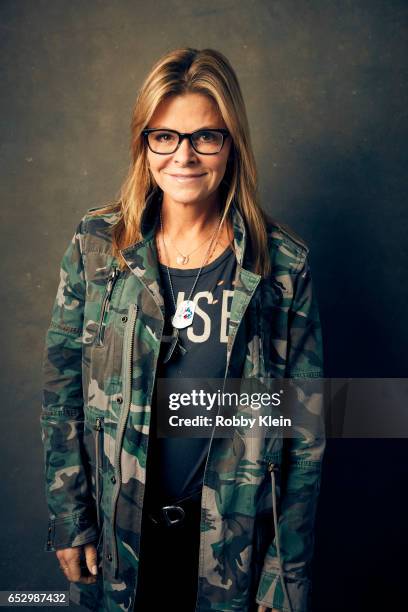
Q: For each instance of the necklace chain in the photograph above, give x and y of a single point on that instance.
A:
(186, 258)
(202, 264)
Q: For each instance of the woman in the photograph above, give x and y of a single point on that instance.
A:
(184, 277)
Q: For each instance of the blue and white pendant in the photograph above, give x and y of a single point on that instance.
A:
(183, 317)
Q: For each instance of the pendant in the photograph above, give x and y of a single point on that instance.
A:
(183, 317)
(182, 259)
(175, 343)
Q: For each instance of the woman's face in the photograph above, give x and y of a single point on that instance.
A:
(188, 113)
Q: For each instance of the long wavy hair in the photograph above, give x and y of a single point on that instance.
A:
(179, 72)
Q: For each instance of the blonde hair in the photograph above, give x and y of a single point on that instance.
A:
(179, 72)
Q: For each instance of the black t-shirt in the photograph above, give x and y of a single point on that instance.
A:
(176, 465)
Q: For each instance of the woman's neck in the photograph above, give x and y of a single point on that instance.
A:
(188, 222)
(189, 229)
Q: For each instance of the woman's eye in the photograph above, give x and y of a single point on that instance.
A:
(164, 136)
(206, 136)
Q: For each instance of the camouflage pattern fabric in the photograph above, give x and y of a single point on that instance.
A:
(100, 359)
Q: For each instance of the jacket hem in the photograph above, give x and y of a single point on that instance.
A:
(271, 594)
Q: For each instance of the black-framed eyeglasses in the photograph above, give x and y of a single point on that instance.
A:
(165, 142)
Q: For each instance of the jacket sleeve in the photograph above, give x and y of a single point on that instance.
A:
(301, 467)
(71, 508)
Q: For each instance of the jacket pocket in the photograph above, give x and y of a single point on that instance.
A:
(106, 300)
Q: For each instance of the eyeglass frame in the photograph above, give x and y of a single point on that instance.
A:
(182, 135)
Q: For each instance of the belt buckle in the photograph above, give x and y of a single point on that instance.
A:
(175, 521)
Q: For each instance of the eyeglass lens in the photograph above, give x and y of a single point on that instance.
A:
(204, 141)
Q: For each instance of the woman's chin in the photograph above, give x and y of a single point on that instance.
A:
(186, 194)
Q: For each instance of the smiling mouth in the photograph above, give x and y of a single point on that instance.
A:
(186, 177)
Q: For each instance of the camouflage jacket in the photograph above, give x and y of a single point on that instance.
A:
(101, 350)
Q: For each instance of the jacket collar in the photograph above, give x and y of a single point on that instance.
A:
(142, 259)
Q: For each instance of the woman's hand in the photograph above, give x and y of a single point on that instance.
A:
(69, 560)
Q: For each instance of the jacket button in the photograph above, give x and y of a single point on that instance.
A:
(109, 557)
(124, 319)
(49, 543)
(119, 399)
(113, 480)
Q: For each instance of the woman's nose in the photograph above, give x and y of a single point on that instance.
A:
(185, 152)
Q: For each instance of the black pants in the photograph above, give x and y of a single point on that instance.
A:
(168, 570)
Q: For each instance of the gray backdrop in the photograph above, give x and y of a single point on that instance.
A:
(325, 87)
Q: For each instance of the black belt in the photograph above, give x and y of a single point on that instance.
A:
(177, 513)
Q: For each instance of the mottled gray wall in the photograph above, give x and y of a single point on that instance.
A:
(325, 87)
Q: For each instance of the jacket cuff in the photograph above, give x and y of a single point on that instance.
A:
(271, 594)
(72, 530)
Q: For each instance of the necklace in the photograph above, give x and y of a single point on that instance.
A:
(184, 313)
(183, 259)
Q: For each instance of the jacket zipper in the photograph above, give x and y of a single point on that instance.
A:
(99, 429)
(105, 303)
(127, 387)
